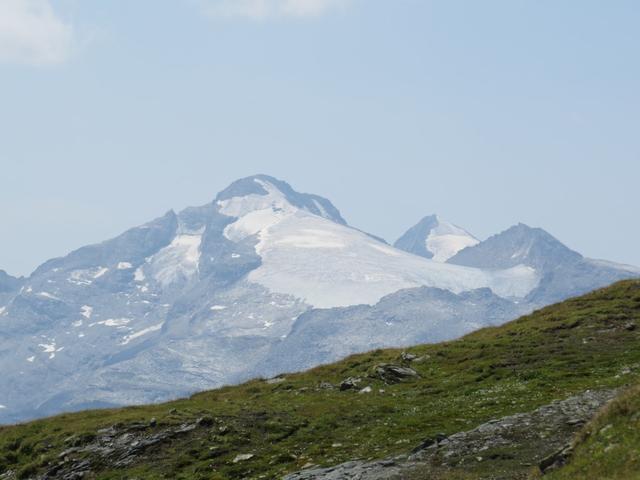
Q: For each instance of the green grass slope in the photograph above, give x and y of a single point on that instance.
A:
(609, 447)
(590, 342)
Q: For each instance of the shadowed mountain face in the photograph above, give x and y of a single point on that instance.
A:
(8, 283)
(263, 279)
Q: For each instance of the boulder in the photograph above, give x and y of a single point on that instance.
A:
(394, 373)
(350, 383)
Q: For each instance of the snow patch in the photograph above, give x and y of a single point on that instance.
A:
(218, 307)
(86, 311)
(79, 277)
(255, 213)
(31, 359)
(178, 261)
(124, 266)
(114, 322)
(47, 347)
(133, 336)
(48, 295)
(321, 209)
(138, 276)
(50, 348)
(101, 271)
(447, 239)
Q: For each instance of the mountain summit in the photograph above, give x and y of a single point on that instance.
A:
(436, 239)
(261, 280)
(518, 245)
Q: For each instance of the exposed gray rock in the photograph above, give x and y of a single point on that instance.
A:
(408, 357)
(394, 373)
(350, 383)
(539, 437)
(118, 447)
(243, 457)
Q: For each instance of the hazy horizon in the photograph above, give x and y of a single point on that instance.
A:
(487, 114)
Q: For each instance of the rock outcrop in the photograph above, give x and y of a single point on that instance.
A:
(533, 440)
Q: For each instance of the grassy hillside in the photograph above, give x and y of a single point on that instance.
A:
(609, 447)
(590, 342)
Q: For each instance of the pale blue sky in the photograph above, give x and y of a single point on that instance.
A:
(488, 113)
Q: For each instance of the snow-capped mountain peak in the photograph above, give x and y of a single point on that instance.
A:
(436, 239)
(259, 192)
(255, 212)
(261, 280)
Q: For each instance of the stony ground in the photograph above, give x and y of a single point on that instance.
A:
(534, 440)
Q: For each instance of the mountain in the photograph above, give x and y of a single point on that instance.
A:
(261, 280)
(8, 283)
(436, 239)
(563, 272)
(499, 403)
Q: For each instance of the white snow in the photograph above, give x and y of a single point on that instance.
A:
(319, 206)
(86, 311)
(80, 277)
(308, 238)
(50, 348)
(387, 250)
(47, 347)
(2, 407)
(76, 324)
(48, 295)
(124, 266)
(31, 359)
(617, 266)
(330, 265)
(133, 336)
(2, 310)
(447, 239)
(101, 271)
(177, 261)
(255, 213)
(138, 276)
(114, 322)
(218, 307)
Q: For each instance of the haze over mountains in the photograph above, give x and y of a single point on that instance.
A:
(261, 280)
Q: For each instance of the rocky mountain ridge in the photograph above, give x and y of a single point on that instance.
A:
(261, 280)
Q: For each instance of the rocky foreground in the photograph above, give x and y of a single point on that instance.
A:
(538, 440)
(502, 402)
